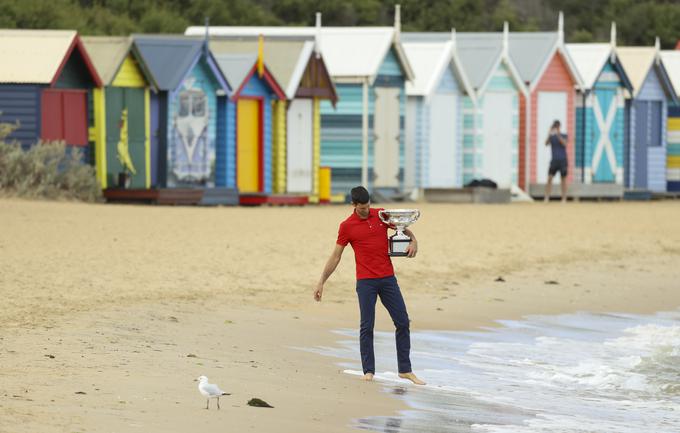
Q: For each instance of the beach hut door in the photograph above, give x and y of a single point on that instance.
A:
(442, 141)
(299, 128)
(551, 106)
(387, 135)
(248, 144)
(498, 138)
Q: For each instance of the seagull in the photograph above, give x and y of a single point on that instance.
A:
(210, 390)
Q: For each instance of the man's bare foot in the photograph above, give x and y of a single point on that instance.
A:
(412, 377)
(368, 377)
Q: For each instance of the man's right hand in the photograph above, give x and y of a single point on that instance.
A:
(318, 292)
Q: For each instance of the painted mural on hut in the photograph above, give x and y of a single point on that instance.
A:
(192, 134)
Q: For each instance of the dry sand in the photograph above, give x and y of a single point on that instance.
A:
(109, 312)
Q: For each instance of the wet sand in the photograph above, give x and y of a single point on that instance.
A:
(110, 312)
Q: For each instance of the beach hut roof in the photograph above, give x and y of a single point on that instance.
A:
(286, 58)
(349, 52)
(108, 54)
(171, 58)
(38, 56)
(637, 61)
(532, 52)
(671, 61)
(479, 54)
(590, 58)
(238, 68)
(430, 60)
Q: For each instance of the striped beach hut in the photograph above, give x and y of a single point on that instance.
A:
(434, 114)
(121, 111)
(551, 78)
(362, 136)
(647, 113)
(45, 79)
(249, 123)
(301, 71)
(671, 61)
(188, 129)
(600, 118)
(491, 120)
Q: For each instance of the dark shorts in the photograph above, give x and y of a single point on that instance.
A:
(558, 165)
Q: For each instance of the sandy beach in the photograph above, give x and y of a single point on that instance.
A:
(110, 312)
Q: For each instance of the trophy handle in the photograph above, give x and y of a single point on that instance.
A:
(380, 215)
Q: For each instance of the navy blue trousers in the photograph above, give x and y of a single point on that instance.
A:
(387, 289)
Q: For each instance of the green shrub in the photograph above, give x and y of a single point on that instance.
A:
(46, 170)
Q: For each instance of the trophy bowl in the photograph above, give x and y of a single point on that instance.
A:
(399, 219)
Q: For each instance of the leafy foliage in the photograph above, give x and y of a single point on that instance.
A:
(46, 170)
(639, 21)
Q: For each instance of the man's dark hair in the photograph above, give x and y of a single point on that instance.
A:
(360, 195)
(556, 124)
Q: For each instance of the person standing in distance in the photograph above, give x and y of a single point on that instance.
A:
(367, 234)
(558, 147)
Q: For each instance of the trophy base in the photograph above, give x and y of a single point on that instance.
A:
(398, 246)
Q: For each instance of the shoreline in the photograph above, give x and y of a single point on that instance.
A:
(129, 354)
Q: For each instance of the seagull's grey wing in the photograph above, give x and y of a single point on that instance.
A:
(212, 389)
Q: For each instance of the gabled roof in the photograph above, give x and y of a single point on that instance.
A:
(38, 56)
(532, 52)
(590, 59)
(671, 61)
(238, 68)
(171, 58)
(430, 60)
(349, 52)
(479, 54)
(637, 61)
(287, 58)
(108, 54)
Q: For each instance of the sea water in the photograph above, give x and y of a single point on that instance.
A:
(575, 373)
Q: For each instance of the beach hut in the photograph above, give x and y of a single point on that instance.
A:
(647, 112)
(45, 79)
(362, 135)
(434, 114)
(121, 111)
(671, 61)
(249, 124)
(600, 119)
(188, 122)
(298, 66)
(491, 135)
(551, 78)
(491, 110)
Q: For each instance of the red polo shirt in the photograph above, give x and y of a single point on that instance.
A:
(369, 241)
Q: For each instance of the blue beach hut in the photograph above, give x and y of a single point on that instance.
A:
(188, 118)
(600, 117)
(362, 136)
(248, 161)
(647, 112)
(46, 78)
(434, 114)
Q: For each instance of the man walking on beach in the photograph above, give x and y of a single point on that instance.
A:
(375, 278)
(558, 147)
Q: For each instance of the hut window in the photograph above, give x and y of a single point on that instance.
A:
(184, 101)
(198, 105)
(64, 116)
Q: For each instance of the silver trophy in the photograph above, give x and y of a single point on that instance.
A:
(399, 219)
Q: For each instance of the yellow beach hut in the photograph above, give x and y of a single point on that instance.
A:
(122, 114)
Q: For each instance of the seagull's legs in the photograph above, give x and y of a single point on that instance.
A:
(218, 402)
(207, 404)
